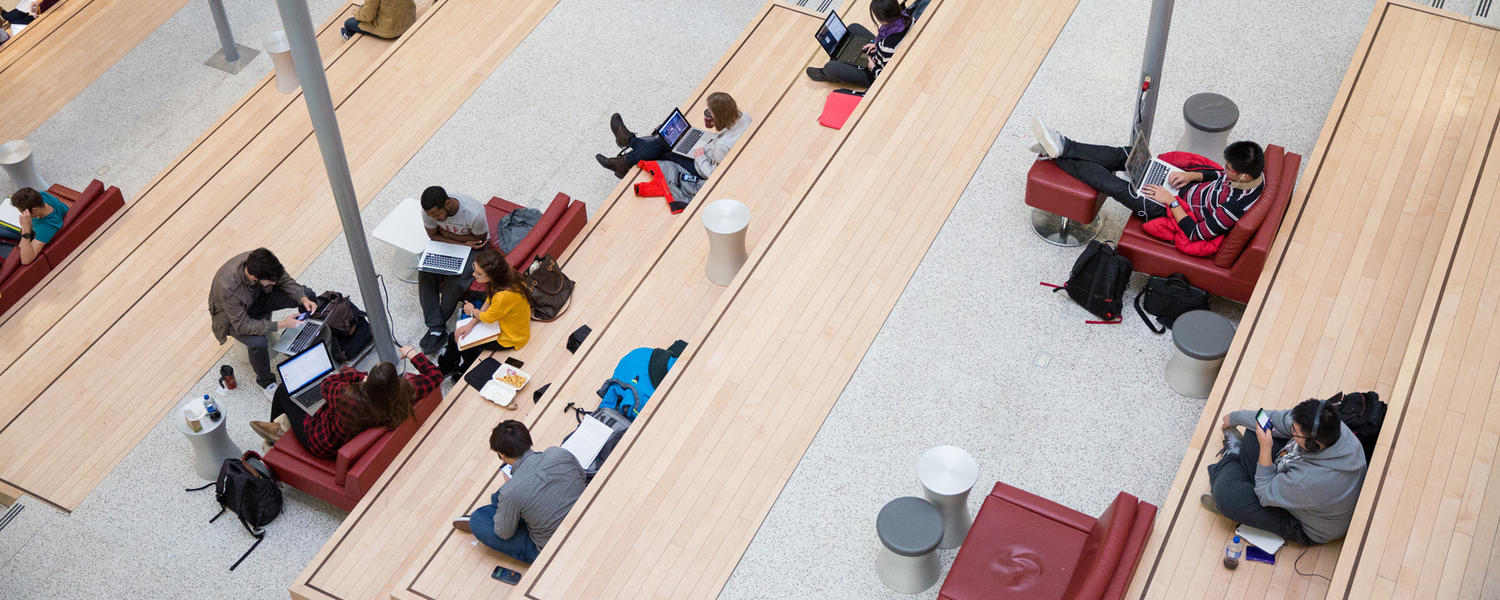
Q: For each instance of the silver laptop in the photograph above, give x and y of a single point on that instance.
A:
(302, 376)
(444, 258)
(842, 46)
(299, 338)
(1146, 169)
(681, 135)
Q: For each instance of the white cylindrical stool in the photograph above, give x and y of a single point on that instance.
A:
(726, 221)
(210, 446)
(281, 60)
(1202, 339)
(1210, 117)
(909, 529)
(15, 158)
(947, 474)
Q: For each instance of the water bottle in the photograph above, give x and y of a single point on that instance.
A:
(1233, 551)
(212, 409)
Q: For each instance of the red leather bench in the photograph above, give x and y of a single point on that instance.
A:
(1024, 546)
(559, 224)
(342, 482)
(87, 212)
(1233, 270)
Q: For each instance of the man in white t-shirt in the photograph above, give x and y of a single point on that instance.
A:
(455, 220)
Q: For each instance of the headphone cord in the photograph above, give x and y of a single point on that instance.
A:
(1296, 566)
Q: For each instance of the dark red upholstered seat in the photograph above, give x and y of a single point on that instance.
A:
(1050, 189)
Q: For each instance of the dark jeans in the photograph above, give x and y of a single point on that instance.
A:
(440, 294)
(1096, 165)
(652, 147)
(850, 74)
(259, 349)
(17, 17)
(1232, 481)
(281, 404)
(518, 546)
(352, 24)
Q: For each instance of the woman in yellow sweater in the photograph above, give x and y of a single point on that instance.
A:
(505, 304)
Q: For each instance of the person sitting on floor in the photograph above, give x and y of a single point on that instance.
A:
(505, 304)
(1216, 199)
(381, 18)
(27, 11)
(455, 220)
(894, 20)
(241, 298)
(722, 118)
(1300, 479)
(41, 217)
(354, 402)
(530, 504)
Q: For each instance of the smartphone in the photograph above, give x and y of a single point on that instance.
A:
(505, 575)
(302, 316)
(1263, 419)
(506, 470)
(511, 360)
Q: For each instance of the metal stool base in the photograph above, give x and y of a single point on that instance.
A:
(1062, 231)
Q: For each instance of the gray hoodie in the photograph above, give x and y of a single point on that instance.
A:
(1319, 488)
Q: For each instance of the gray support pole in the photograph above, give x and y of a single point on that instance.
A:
(226, 37)
(1150, 82)
(299, 33)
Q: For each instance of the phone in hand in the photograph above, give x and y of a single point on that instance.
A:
(302, 316)
(1263, 419)
(504, 575)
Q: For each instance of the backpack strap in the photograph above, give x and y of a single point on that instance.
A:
(578, 413)
(258, 538)
(200, 488)
(1142, 312)
(661, 361)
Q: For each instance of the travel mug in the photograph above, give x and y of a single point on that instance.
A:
(226, 377)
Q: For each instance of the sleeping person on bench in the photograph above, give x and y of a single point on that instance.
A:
(1299, 479)
(531, 502)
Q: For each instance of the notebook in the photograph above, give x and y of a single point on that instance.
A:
(586, 441)
(1260, 538)
(482, 332)
(837, 108)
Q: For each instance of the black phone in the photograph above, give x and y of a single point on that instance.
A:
(504, 575)
(511, 360)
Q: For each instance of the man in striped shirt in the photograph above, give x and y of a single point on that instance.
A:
(1210, 203)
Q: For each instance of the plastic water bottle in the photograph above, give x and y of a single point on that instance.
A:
(1233, 551)
(212, 408)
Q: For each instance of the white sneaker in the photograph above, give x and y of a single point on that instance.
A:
(1050, 141)
(1036, 148)
(270, 391)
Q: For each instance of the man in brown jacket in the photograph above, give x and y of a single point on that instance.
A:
(245, 291)
(381, 18)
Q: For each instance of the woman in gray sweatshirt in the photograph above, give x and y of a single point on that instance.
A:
(1299, 480)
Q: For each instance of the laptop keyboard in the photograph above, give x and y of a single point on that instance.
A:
(1156, 174)
(306, 337)
(442, 262)
(853, 54)
(687, 142)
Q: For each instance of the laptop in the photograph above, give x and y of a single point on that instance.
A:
(1146, 169)
(443, 258)
(302, 376)
(681, 135)
(840, 45)
(299, 338)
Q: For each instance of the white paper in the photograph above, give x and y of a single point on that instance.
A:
(1260, 538)
(480, 331)
(9, 216)
(588, 440)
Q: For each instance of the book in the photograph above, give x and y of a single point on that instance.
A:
(1260, 538)
(10, 218)
(482, 332)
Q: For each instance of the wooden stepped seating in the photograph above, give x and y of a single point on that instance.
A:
(246, 183)
(1375, 283)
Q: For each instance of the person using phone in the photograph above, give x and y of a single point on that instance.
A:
(1299, 478)
(723, 120)
(530, 505)
(893, 20)
(243, 294)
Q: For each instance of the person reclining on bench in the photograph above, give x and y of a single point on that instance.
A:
(1217, 199)
(530, 504)
(893, 19)
(241, 298)
(454, 219)
(722, 118)
(41, 217)
(354, 401)
(1299, 480)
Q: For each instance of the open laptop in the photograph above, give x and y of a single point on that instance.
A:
(681, 135)
(303, 374)
(443, 258)
(841, 45)
(299, 338)
(1146, 169)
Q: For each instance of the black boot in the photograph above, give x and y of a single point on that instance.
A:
(816, 74)
(618, 165)
(622, 134)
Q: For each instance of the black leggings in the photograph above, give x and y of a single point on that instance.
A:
(281, 404)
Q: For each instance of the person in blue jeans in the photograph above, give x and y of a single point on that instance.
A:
(533, 500)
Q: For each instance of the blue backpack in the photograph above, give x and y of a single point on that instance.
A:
(636, 377)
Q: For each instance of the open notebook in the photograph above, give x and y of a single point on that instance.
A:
(482, 332)
(586, 441)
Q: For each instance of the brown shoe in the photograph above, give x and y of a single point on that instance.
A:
(617, 165)
(267, 430)
(622, 133)
(462, 524)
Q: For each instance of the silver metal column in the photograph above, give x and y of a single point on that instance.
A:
(1150, 81)
(309, 62)
(232, 57)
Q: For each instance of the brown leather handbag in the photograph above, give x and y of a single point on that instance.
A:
(549, 290)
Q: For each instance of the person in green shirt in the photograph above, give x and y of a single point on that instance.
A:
(41, 216)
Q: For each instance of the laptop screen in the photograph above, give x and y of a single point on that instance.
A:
(672, 130)
(831, 32)
(300, 370)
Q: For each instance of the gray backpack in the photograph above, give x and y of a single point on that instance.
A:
(611, 418)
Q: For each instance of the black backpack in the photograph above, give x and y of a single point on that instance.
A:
(1362, 413)
(1168, 298)
(1098, 281)
(247, 487)
(346, 325)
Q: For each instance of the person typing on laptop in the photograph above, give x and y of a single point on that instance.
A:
(723, 117)
(243, 295)
(454, 220)
(893, 20)
(532, 501)
(1208, 203)
(353, 401)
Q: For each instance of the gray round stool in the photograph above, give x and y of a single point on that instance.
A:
(947, 474)
(20, 166)
(1210, 117)
(909, 529)
(1202, 339)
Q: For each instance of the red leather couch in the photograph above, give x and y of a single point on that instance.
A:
(343, 481)
(559, 224)
(1233, 270)
(1024, 546)
(87, 212)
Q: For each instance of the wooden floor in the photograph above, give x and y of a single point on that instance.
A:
(245, 183)
(64, 50)
(821, 203)
(1380, 282)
